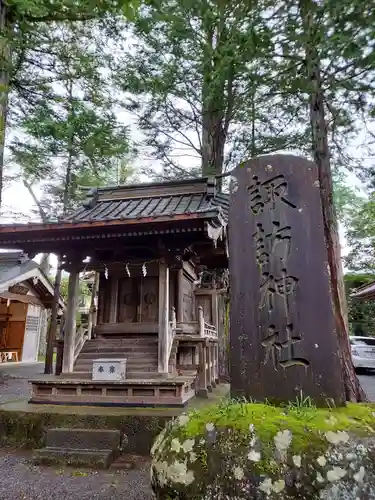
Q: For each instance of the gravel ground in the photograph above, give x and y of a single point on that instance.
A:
(20, 480)
(14, 380)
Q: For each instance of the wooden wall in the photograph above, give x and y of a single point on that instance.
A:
(13, 334)
(188, 299)
(137, 295)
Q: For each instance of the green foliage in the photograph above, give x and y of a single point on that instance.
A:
(361, 313)
(361, 237)
(83, 288)
(198, 78)
(71, 137)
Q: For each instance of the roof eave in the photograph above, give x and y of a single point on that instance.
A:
(30, 228)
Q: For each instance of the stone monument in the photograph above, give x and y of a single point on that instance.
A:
(283, 339)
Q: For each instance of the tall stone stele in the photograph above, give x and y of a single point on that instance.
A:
(283, 339)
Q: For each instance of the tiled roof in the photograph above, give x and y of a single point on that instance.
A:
(157, 205)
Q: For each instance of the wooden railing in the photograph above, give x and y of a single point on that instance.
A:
(205, 329)
(81, 337)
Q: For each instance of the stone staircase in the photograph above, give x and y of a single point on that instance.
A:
(140, 352)
(80, 447)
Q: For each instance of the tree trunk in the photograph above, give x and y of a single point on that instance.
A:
(321, 154)
(217, 98)
(5, 55)
(51, 335)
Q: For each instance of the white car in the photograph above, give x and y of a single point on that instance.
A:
(363, 352)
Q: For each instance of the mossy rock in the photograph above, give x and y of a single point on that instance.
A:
(255, 451)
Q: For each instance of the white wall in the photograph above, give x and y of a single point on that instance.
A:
(32, 333)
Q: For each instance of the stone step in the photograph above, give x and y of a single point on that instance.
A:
(114, 348)
(100, 459)
(85, 439)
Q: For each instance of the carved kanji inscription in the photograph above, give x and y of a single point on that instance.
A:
(282, 325)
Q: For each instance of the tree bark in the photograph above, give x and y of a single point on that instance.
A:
(5, 55)
(217, 99)
(321, 153)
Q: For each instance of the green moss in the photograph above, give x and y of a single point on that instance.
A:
(306, 424)
(26, 429)
(247, 439)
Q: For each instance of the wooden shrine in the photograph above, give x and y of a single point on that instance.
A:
(153, 333)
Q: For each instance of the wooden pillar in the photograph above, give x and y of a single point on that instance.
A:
(93, 313)
(215, 309)
(70, 322)
(180, 296)
(201, 321)
(202, 375)
(163, 317)
(51, 334)
(113, 300)
(217, 381)
(209, 367)
(213, 365)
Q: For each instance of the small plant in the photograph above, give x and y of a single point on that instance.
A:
(303, 405)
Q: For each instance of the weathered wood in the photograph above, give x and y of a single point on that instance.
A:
(113, 300)
(180, 296)
(163, 317)
(51, 334)
(70, 323)
(201, 321)
(202, 371)
(282, 321)
(93, 313)
(128, 327)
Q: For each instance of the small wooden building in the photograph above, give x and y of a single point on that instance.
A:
(150, 245)
(25, 296)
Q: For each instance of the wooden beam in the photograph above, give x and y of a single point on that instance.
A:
(202, 372)
(163, 317)
(180, 296)
(70, 323)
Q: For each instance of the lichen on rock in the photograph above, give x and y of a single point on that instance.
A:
(238, 451)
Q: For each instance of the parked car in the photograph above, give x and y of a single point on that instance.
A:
(363, 352)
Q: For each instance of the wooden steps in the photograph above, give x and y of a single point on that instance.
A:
(143, 386)
(140, 352)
